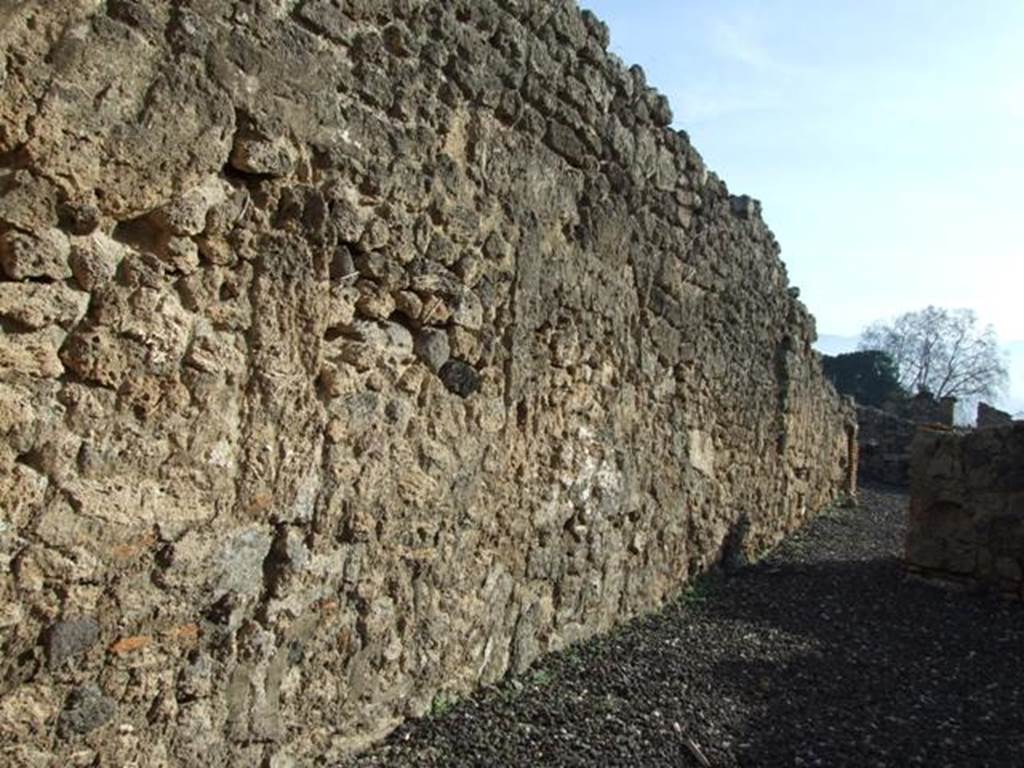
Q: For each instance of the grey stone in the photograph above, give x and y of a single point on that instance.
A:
(85, 709)
(744, 207)
(78, 218)
(563, 140)
(661, 111)
(431, 346)
(69, 638)
(241, 561)
(468, 311)
(324, 18)
(460, 377)
(134, 14)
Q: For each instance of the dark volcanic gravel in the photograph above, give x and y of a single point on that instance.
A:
(824, 653)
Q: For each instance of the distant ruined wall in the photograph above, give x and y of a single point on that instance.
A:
(885, 435)
(924, 408)
(884, 445)
(967, 507)
(357, 350)
(988, 416)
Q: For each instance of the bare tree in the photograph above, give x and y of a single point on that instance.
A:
(941, 351)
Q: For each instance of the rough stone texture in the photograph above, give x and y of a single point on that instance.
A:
(86, 709)
(69, 638)
(885, 435)
(967, 507)
(225, 224)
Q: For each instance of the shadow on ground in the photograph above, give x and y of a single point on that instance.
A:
(822, 654)
(895, 671)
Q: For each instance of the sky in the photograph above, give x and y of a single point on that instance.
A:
(885, 141)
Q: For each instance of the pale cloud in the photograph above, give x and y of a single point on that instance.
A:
(736, 37)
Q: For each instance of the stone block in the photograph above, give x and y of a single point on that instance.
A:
(263, 157)
(69, 638)
(34, 354)
(86, 709)
(94, 260)
(37, 305)
(460, 378)
(432, 348)
(42, 254)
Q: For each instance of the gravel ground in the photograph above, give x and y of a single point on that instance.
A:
(824, 653)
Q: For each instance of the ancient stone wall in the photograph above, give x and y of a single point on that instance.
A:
(357, 351)
(885, 435)
(967, 507)
(923, 408)
(884, 445)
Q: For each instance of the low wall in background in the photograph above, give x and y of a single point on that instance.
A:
(884, 445)
(884, 435)
(989, 416)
